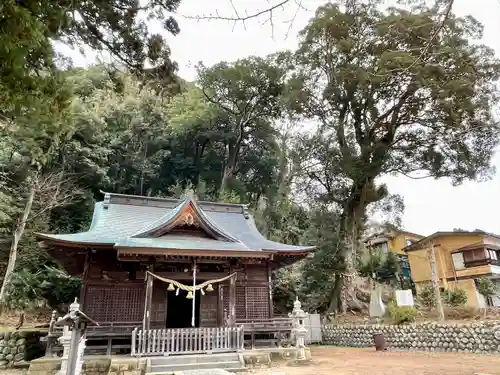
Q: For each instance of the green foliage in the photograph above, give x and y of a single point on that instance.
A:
(382, 107)
(245, 97)
(486, 287)
(426, 296)
(47, 285)
(378, 266)
(392, 95)
(319, 274)
(454, 298)
(30, 78)
(401, 314)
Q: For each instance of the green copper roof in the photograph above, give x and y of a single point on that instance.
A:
(166, 222)
(136, 221)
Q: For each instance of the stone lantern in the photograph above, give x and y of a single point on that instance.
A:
(73, 339)
(299, 330)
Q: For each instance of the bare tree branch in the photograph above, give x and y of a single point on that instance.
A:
(241, 18)
(53, 190)
(266, 13)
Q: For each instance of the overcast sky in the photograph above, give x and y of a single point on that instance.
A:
(431, 205)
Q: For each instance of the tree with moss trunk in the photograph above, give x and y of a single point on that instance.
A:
(393, 91)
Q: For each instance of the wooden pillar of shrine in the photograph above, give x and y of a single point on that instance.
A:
(146, 321)
(270, 287)
(86, 267)
(232, 301)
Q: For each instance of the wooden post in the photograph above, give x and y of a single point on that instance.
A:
(270, 287)
(146, 323)
(220, 305)
(193, 306)
(86, 267)
(435, 283)
(232, 301)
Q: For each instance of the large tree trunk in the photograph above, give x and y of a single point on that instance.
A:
(229, 168)
(18, 233)
(226, 177)
(351, 225)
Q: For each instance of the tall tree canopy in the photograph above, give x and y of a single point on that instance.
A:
(28, 30)
(393, 91)
(249, 93)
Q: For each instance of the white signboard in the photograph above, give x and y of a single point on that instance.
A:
(404, 297)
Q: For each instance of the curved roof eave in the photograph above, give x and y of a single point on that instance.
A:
(168, 219)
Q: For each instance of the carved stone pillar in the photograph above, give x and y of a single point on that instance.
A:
(65, 341)
(299, 330)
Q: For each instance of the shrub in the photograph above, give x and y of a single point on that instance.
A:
(426, 296)
(486, 287)
(49, 285)
(454, 298)
(401, 314)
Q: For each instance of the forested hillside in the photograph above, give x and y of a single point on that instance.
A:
(301, 136)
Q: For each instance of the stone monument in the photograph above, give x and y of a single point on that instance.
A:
(299, 330)
(73, 339)
(377, 307)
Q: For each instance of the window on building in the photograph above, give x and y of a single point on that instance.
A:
(493, 254)
(458, 261)
(476, 256)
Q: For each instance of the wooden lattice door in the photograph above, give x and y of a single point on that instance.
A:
(257, 302)
(115, 303)
(252, 302)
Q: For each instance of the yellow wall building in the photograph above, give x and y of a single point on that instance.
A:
(461, 257)
(393, 241)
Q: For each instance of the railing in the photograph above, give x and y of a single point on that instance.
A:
(186, 341)
(103, 329)
(275, 332)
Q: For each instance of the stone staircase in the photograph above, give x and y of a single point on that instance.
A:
(195, 364)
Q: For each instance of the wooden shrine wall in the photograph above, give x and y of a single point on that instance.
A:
(109, 296)
(253, 298)
(107, 303)
(208, 309)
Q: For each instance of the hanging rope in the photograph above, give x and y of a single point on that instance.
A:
(191, 288)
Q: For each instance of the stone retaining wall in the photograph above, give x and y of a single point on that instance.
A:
(19, 347)
(481, 337)
(92, 365)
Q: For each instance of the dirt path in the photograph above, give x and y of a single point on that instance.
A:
(342, 361)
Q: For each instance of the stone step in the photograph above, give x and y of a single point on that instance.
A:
(171, 368)
(194, 358)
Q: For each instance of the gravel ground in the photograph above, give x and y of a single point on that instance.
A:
(351, 361)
